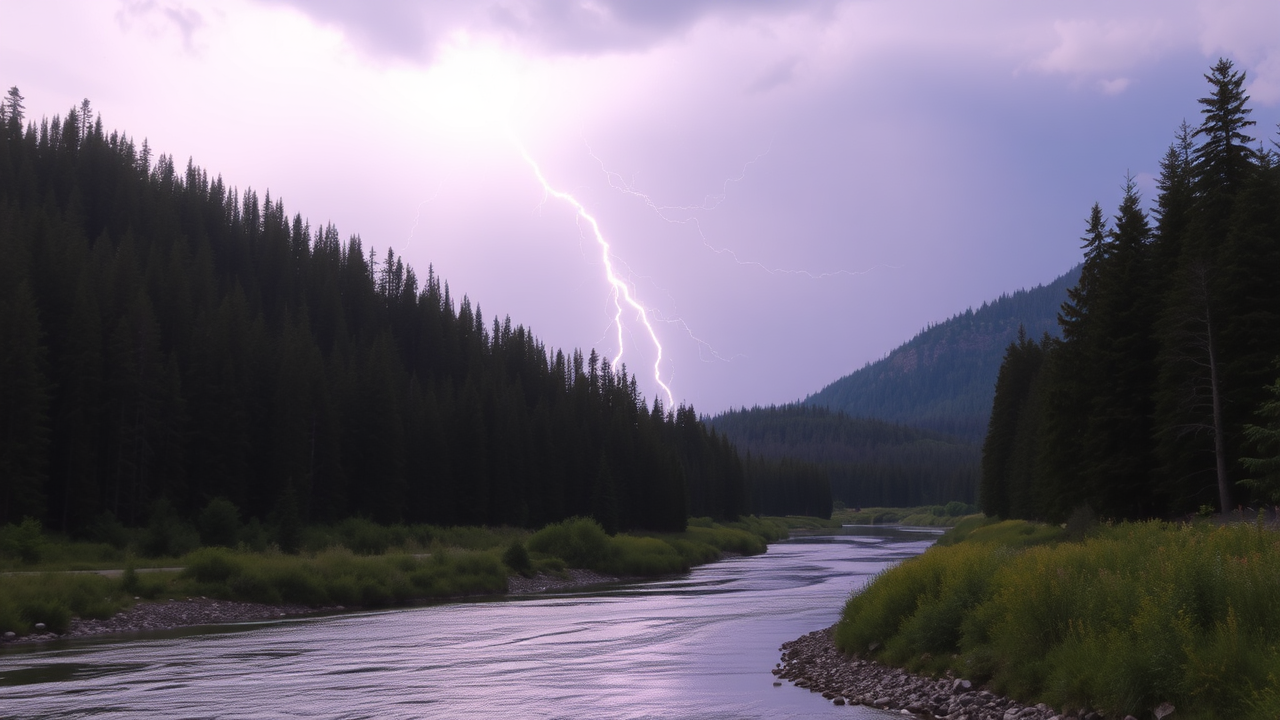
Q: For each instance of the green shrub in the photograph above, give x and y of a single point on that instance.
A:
(167, 535)
(580, 542)
(253, 536)
(105, 528)
(631, 555)
(693, 553)
(53, 598)
(219, 523)
(129, 580)
(299, 585)
(24, 541)
(728, 539)
(212, 565)
(364, 537)
(253, 586)
(517, 558)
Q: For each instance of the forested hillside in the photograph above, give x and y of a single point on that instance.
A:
(868, 462)
(943, 378)
(164, 337)
(1161, 397)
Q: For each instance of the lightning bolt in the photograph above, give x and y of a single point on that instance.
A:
(418, 216)
(620, 290)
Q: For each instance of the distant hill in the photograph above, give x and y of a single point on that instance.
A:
(944, 378)
(905, 430)
(868, 462)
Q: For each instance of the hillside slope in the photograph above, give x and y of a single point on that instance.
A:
(944, 378)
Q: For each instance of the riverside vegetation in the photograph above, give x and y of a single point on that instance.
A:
(947, 515)
(355, 563)
(1118, 619)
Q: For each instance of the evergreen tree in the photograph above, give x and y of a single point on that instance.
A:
(1118, 436)
(1264, 471)
(24, 405)
(12, 110)
(1007, 478)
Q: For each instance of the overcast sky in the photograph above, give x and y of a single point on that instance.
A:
(789, 189)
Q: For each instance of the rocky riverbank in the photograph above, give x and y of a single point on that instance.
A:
(192, 612)
(544, 582)
(814, 663)
(172, 614)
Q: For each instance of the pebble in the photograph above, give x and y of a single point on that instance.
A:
(542, 582)
(813, 662)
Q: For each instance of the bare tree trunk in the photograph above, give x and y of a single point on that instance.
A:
(1219, 445)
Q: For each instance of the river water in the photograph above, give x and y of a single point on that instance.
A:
(695, 646)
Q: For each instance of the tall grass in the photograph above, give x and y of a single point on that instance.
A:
(1136, 615)
(582, 543)
(340, 577)
(53, 598)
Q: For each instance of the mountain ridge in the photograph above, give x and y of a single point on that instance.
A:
(943, 378)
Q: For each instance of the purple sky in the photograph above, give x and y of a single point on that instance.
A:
(791, 189)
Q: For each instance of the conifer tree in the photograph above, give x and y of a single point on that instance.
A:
(1118, 436)
(1264, 471)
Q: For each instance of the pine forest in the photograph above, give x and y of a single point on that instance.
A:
(1161, 398)
(166, 341)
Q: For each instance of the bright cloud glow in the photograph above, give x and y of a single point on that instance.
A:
(475, 86)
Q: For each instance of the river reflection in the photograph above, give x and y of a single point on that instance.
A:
(696, 646)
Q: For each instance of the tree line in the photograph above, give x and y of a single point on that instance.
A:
(1155, 399)
(164, 337)
(865, 462)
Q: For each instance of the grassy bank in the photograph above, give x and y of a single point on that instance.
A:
(923, 516)
(354, 564)
(1120, 621)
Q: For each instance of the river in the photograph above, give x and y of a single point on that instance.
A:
(695, 646)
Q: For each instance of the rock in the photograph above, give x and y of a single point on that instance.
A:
(39, 626)
(1163, 710)
(1130, 717)
(777, 684)
(882, 701)
(10, 635)
(838, 701)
